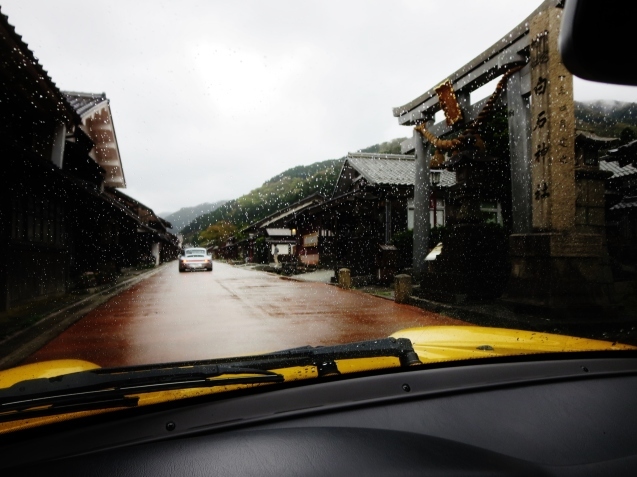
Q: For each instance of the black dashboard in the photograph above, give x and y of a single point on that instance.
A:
(574, 415)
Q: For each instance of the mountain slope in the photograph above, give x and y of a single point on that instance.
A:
(185, 215)
(276, 193)
(606, 118)
(280, 191)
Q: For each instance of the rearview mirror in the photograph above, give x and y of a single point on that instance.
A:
(597, 40)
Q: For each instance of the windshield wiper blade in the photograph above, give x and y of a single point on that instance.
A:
(322, 357)
(71, 403)
(114, 386)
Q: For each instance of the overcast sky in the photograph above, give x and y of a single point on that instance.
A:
(212, 98)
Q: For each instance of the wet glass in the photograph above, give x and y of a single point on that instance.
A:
(311, 196)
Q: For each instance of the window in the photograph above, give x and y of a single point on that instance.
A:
(436, 213)
(491, 212)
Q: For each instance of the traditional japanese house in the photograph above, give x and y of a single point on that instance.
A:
(373, 209)
(227, 251)
(149, 239)
(127, 232)
(60, 215)
(35, 118)
(621, 203)
(291, 231)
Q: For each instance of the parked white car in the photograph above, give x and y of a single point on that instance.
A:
(195, 259)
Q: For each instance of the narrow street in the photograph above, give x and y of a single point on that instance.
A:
(175, 316)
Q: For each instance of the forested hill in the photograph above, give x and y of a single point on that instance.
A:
(279, 192)
(607, 118)
(274, 194)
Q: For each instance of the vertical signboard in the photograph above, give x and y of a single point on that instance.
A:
(552, 128)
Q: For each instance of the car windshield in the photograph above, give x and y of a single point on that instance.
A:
(420, 170)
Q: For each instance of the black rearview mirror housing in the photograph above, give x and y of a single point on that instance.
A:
(597, 40)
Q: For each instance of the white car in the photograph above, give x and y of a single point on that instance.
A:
(195, 259)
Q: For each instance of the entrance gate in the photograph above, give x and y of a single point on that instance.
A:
(557, 253)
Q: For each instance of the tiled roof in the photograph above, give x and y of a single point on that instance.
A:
(616, 169)
(447, 178)
(592, 137)
(290, 210)
(84, 102)
(626, 203)
(392, 169)
(623, 154)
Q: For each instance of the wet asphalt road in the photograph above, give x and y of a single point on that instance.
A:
(174, 316)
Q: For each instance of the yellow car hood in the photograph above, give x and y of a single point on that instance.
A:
(431, 343)
(445, 343)
(45, 369)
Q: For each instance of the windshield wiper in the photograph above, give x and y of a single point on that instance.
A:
(116, 387)
(321, 357)
(113, 387)
(324, 357)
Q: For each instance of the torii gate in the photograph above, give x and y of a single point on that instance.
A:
(556, 261)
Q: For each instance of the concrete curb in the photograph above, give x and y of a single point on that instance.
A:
(17, 347)
(502, 317)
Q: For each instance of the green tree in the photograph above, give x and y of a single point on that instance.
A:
(388, 147)
(217, 234)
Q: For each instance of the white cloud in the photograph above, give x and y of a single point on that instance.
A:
(212, 98)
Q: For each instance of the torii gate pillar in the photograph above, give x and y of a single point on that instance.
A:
(559, 265)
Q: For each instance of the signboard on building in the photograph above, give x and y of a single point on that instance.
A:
(311, 240)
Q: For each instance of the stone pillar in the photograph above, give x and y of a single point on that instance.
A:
(519, 113)
(552, 128)
(344, 278)
(402, 288)
(590, 200)
(559, 265)
(422, 191)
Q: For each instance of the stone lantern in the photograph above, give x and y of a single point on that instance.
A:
(589, 182)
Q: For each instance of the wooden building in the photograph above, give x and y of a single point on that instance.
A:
(291, 231)
(621, 207)
(60, 214)
(370, 207)
(35, 118)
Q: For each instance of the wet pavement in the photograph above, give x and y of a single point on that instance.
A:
(175, 316)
